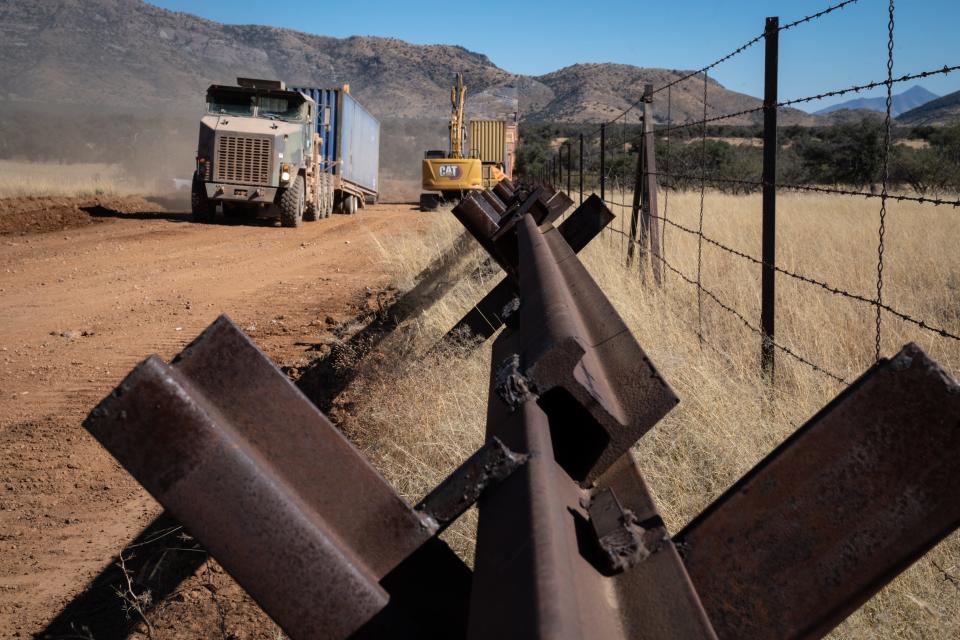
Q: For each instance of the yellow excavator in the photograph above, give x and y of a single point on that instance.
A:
(447, 176)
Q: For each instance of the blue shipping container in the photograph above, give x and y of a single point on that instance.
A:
(351, 137)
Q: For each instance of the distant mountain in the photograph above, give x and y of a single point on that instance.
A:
(945, 110)
(912, 98)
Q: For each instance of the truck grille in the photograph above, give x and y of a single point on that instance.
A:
(243, 160)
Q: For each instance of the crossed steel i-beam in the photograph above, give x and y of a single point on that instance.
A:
(569, 541)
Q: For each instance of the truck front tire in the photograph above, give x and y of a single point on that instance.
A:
(201, 207)
(292, 204)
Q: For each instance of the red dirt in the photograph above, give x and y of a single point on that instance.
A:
(81, 306)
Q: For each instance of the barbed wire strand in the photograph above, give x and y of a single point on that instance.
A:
(812, 188)
(747, 323)
(944, 70)
(813, 281)
(733, 54)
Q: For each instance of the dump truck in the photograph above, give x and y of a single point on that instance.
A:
(304, 152)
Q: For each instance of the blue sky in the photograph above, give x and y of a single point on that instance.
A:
(843, 48)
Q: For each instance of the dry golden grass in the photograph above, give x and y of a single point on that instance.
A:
(418, 415)
(22, 178)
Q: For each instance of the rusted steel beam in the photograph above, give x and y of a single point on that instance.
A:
(845, 504)
(494, 201)
(556, 559)
(493, 227)
(490, 465)
(484, 319)
(504, 190)
(580, 358)
(557, 204)
(233, 450)
(540, 570)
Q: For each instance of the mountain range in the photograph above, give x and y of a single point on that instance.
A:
(945, 109)
(912, 98)
(123, 81)
(118, 54)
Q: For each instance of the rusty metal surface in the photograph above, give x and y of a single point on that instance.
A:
(656, 596)
(504, 190)
(233, 450)
(581, 359)
(495, 230)
(850, 500)
(530, 580)
(494, 201)
(538, 571)
(578, 229)
(557, 204)
(585, 223)
(570, 544)
(490, 465)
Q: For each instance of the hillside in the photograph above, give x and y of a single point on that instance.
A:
(598, 92)
(912, 98)
(120, 53)
(945, 110)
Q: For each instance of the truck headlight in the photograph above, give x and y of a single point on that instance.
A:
(284, 173)
(203, 167)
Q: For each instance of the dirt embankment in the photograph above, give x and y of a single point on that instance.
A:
(23, 216)
(83, 303)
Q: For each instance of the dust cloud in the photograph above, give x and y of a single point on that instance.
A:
(155, 149)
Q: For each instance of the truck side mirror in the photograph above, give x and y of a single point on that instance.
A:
(326, 117)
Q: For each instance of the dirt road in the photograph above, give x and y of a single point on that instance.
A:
(83, 304)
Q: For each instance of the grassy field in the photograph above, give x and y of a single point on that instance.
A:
(21, 179)
(417, 415)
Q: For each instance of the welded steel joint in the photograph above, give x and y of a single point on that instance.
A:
(622, 538)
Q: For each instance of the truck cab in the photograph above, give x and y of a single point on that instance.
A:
(256, 152)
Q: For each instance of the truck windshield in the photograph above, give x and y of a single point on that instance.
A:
(235, 104)
(281, 108)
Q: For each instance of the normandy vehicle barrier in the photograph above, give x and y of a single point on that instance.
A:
(569, 543)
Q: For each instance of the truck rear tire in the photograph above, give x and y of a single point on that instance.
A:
(201, 207)
(312, 210)
(292, 204)
(352, 203)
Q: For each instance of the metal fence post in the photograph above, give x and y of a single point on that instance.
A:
(580, 165)
(569, 163)
(769, 232)
(603, 145)
(649, 227)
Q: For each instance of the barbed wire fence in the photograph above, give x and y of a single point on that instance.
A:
(593, 150)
